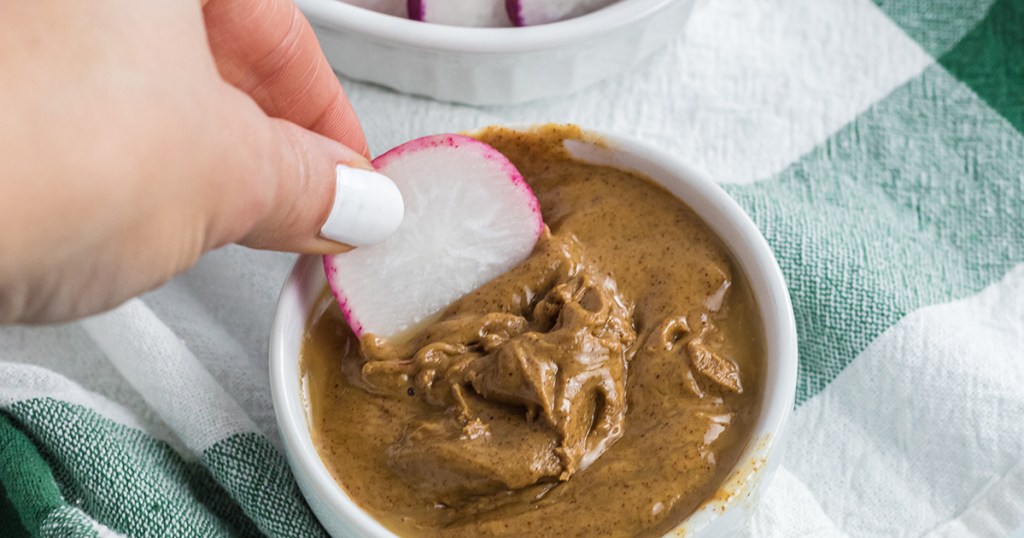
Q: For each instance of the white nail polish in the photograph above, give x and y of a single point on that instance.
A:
(367, 208)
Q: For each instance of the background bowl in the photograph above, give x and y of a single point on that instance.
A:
(488, 66)
(726, 512)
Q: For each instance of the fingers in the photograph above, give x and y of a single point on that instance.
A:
(288, 188)
(267, 49)
(297, 198)
(324, 194)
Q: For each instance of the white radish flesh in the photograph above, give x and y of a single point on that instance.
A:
(534, 12)
(483, 13)
(469, 217)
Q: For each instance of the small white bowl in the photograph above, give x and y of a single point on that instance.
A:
(725, 513)
(492, 66)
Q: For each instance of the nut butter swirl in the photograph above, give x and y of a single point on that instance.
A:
(551, 339)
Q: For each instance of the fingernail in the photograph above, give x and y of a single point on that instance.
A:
(367, 208)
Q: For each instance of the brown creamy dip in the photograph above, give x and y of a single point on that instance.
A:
(605, 386)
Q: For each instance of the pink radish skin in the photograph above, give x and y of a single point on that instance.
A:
(470, 216)
(480, 13)
(398, 8)
(534, 12)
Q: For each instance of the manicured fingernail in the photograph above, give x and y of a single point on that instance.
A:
(367, 208)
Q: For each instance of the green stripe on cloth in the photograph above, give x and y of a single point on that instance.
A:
(937, 25)
(125, 479)
(27, 481)
(915, 202)
(259, 479)
(10, 521)
(990, 59)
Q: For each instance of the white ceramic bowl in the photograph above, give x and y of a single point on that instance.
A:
(728, 510)
(486, 66)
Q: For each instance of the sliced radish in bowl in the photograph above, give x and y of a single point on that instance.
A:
(533, 12)
(484, 13)
(469, 217)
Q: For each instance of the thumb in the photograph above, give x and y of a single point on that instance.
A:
(303, 192)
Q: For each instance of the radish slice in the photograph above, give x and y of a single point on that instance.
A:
(533, 12)
(486, 13)
(469, 217)
(398, 8)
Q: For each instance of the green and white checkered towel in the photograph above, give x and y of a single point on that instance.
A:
(878, 145)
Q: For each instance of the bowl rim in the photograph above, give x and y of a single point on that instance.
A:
(774, 307)
(339, 15)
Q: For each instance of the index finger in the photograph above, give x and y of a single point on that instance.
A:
(267, 49)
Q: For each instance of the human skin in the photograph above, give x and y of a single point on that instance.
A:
(138, 135)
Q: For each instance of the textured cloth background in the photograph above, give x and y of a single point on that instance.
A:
(879, 147)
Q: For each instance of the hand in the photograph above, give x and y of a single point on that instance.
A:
(138, 135)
